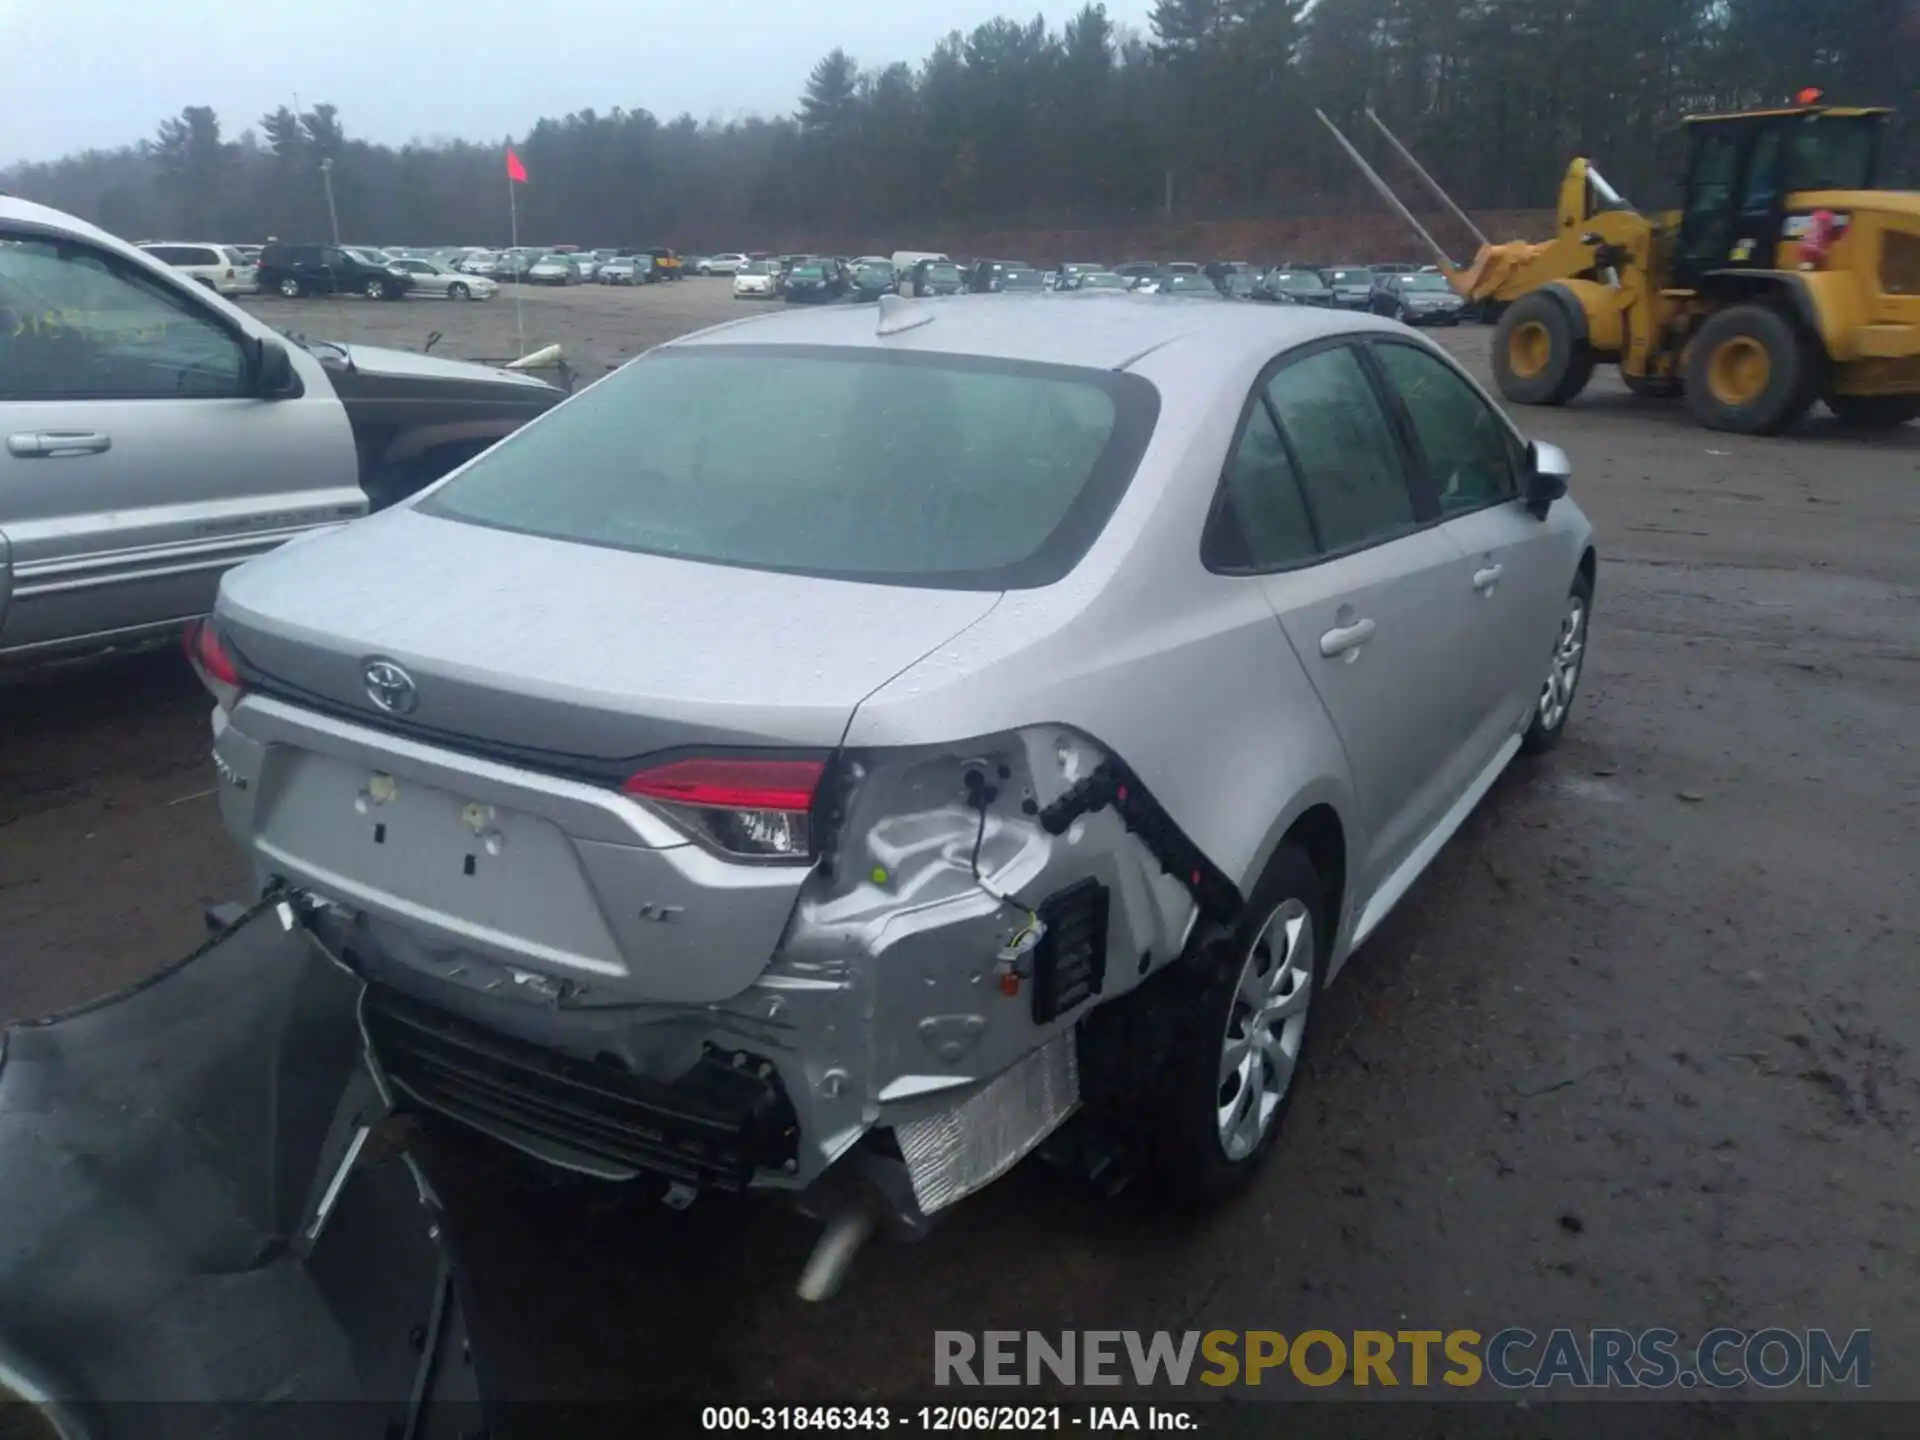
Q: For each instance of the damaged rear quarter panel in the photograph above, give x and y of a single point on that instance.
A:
(1183, 674)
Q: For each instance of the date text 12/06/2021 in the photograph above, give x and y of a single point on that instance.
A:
(944, 1419)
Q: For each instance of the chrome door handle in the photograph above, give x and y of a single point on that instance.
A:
(1486, 577)
(55, 444)
(1342, 638)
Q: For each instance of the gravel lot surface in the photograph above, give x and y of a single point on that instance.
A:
(1638, 1050)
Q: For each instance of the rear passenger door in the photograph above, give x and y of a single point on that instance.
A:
(1364, 585)
(1515, 567)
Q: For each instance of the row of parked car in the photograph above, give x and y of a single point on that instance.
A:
(1415, 295)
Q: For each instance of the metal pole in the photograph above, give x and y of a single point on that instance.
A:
(1386, 193)
(1169, 195)
(513, 262)
(1432, 184)
(326, 176)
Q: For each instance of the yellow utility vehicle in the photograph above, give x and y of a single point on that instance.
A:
(1785, 277)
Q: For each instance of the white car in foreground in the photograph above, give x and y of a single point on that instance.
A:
(755, 280)
(431, 277)
(220, 268)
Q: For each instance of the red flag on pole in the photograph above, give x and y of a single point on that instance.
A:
(516, 172)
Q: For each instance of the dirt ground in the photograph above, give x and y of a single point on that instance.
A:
(1638, 1050)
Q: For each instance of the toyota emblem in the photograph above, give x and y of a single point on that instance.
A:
(390, 688)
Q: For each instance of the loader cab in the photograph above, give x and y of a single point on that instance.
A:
(1741, 170)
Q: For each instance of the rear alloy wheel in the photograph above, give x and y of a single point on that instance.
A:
(291, 288)
(1748, 371)
(1243, 1037)
(374, 290)
(1875, 412)
(1563, 671)
(1537, 357)
(457, 291)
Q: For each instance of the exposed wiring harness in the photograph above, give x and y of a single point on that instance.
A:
(980, 795)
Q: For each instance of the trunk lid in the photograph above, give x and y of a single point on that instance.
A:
(546, 651)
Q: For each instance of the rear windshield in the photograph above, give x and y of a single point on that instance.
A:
(909, 469)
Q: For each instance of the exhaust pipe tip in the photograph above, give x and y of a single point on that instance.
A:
(833, 1253)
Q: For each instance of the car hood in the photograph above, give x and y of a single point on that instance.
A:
(371, 364)
(567, 650)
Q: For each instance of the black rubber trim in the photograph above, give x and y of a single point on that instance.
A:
(1112, 783)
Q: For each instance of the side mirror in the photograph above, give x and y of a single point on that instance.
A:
(1548, 471)
(273, 372)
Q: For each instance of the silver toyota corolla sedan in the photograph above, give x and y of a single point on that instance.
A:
(1015, 719)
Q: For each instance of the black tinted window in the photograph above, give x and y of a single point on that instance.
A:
(922, 470)
(1350, 466)
(1467, 449)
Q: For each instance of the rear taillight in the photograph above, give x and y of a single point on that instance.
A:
(212, 663)
(755, 808)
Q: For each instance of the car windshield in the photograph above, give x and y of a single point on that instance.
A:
(809, 272)
(1350, 277)
(882, 274)
(1424, 282)
(1102, 280)
(369, 257)
(1022, 280)
(943, 272)
(1184, 284)
(904, 468)
(758, 267)
(1295, 280)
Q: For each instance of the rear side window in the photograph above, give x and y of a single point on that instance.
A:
(1467, 448)
(1343, 443)
(907, 469)
(1263, 523)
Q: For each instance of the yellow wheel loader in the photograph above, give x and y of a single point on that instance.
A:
(1785, 277)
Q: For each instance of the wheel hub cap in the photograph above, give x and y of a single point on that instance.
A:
(1265, 1025)
(1564, 673)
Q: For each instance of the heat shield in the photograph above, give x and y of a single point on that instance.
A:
(956, 1151)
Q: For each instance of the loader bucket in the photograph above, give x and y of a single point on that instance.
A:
(162, 1152)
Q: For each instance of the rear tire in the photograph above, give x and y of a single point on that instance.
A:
(291, 289)
(1564, 669)
(1749, 371)
(1537, 357)
(374, 290)
(1874, 412)
(1242, 1037)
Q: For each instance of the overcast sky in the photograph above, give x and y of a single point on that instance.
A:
(83, 73)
